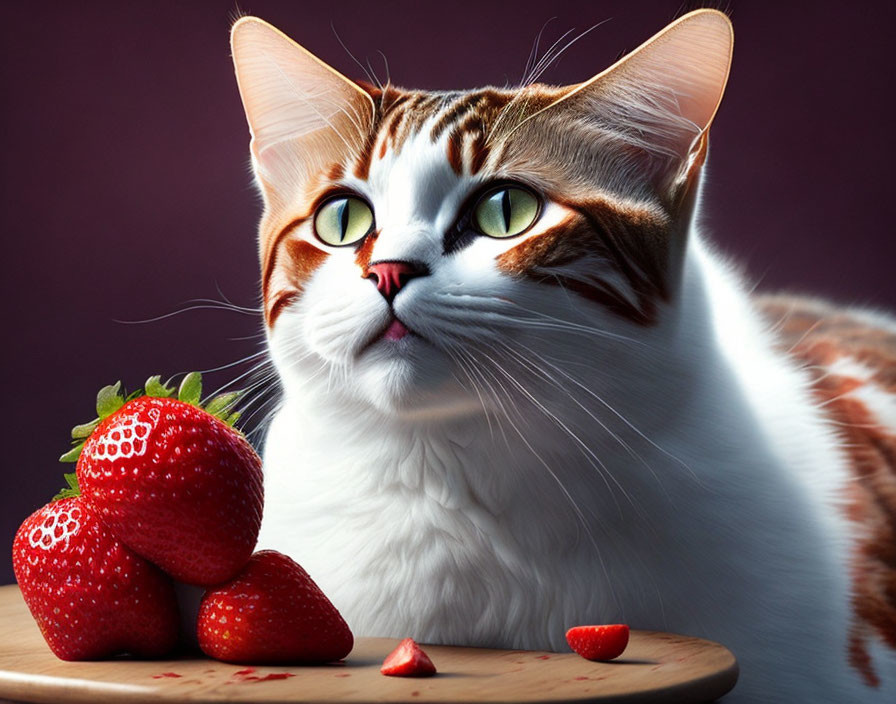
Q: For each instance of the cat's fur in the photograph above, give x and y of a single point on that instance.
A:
(591, 422)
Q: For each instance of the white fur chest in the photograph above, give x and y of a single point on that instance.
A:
(394, 534)
(402, 542)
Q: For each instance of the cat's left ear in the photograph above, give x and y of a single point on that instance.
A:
(662, 97)
(304, 115)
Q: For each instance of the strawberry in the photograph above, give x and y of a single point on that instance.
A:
(408, 660)
(90, 595)
(173, 481)
(598, 642)
(272, 612)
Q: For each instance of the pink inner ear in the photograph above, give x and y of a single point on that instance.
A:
(303, 114)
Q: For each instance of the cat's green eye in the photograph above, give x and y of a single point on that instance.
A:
(506, 212)
(344, 220)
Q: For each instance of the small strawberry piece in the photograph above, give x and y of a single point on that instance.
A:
(598, 642)
(90, 595)
(408, 660)
(272, 612)
(177, 485)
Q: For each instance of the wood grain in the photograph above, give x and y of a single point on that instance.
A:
(656, 667)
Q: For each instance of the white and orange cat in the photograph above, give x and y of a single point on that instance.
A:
(521, 391)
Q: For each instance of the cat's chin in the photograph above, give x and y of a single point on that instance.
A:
(412, 380)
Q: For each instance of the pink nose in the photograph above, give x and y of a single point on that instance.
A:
(391, 276)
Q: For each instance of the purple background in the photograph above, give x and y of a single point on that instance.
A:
(126, 192)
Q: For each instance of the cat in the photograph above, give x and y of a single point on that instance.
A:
(522, 391)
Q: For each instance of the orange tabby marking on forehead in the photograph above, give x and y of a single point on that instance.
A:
(470, 118)
(467, 144)
(846, 356)
(362, 165)
(484, 106)
(336, 172)
(405, 113)
(399, 114)
(479, 152)
(413, 113)
(454, 153)
(453, 112)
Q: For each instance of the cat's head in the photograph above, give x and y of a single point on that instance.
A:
(420, 249)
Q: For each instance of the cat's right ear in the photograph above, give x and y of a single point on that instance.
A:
(304, 116)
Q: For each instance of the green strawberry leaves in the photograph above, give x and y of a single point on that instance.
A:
(155, 388)
(190, 390)
(111, 398)
(82, 432)
(108, 401)
(221, 405)
(71, 490)
(73, 454)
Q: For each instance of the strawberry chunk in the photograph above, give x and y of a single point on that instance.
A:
(598, 642)
(408, 660)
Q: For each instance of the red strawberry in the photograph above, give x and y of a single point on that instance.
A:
(408, 660)
(176, 484)
(90, 595)
(272, 612)
(598, 642)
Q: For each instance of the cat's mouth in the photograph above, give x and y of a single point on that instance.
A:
(391, 333)
(396, 330)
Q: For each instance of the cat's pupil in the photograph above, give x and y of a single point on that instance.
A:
(505, 209)
(343, 219)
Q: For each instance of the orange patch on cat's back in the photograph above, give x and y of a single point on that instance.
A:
(850, 354)
(833, 333)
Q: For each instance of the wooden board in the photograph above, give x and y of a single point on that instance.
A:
(656, 667)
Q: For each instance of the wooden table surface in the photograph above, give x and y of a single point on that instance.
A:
(656, 667)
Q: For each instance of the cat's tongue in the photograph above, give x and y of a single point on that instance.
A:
(395, 331)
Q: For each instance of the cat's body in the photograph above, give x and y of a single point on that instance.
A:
(407, 531)
(587, 421)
